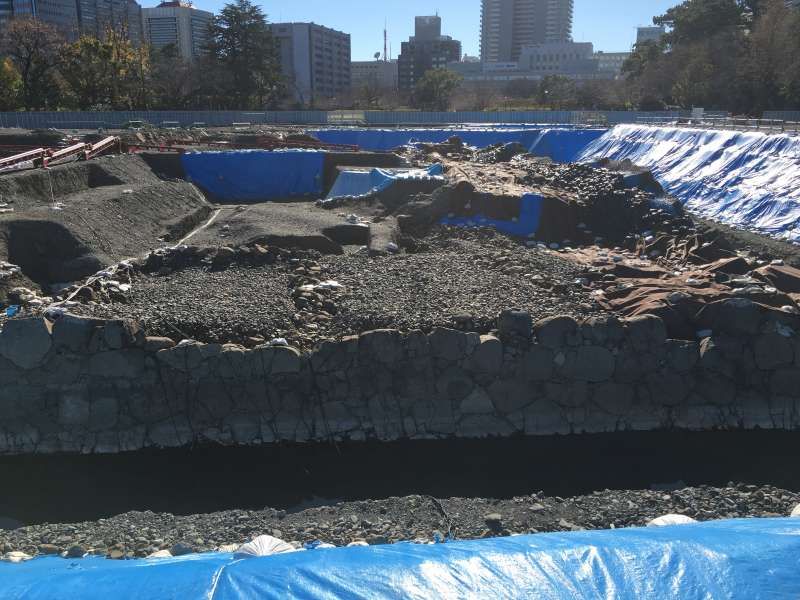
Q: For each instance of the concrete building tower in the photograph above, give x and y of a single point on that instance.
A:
(178, 23)
(507, 26)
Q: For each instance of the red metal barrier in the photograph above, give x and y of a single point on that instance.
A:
(30, 155)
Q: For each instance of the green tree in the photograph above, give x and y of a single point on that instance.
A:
(243, 59)
(557, 92)
(10, 84)
(434, 91)
(106, 73)
(33, 47)
(172, 79)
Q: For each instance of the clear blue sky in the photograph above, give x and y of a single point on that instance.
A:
(609, 24)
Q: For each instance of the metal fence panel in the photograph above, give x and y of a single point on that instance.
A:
(109, 119)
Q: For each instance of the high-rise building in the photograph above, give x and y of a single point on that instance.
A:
(315, 60)
(650, 34)
(427, 49)
(507, 26)
(96, 16)
(89, 17)
(61, 14)
(382, 74)
(177, 23)
(6, 10)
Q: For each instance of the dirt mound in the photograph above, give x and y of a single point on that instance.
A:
(69, 221)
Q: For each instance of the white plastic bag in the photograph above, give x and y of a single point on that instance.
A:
(670, 520)
(263, 545)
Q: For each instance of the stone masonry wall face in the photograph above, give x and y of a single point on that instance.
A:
(82, 385)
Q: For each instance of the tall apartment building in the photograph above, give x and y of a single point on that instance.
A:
(507, 26)
(177, 23)
(90, 17)
(96, 16)
(61, 14)
(427, 49)
(6, 10)
(315, 60)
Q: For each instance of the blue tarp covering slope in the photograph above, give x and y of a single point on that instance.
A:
(564, 145)
(361, 183)
(528, 222)
(748, 559)
(255, 175)
(745, 179)
(561, 144)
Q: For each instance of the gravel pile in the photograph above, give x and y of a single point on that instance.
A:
(453, 278)
(209, 306)
(460, 278)
(138, 534)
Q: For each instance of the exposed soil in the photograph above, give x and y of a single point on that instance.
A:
(72, 220)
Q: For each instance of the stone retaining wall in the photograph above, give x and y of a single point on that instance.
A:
(81, 385)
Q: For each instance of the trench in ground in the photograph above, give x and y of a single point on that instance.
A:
(72, 488)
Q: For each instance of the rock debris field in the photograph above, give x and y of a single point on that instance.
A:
(421, 518)
(456, 279)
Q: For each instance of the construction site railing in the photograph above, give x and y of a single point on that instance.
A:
(729, 123)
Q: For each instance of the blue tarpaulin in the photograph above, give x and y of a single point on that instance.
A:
(559, 143)
(526, 224)
(361, 183)
(748, 559)
(744, 179)
(255, 175)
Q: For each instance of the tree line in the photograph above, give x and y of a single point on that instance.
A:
(238, 69)
(737, 55)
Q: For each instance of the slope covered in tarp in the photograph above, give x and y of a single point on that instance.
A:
(562, 144)
(256, 175)
(726, 559)
(363, 182)
(745, 179)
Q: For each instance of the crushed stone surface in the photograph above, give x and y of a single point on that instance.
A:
(424, 518)
(454, 277)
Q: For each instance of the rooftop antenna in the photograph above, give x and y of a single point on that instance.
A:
(385, 39)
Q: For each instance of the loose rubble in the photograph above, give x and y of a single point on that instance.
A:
(415, 518)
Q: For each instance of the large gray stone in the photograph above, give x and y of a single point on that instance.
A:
(488, 356)
(786, 382)
(120, 334)
(74, 333)
(613, 398)
(590, 363)
(454, 384)
(773, 350)
(603, 330)
(381, 345)
(123, 364)
(683, 355)
(285, 360)
(515, 324)
(555, 332)
(537, 364)
(25, 342)
(646, 332)
(477, 403)
(450, 344)
(510, 396)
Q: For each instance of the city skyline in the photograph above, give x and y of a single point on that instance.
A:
(611, 26)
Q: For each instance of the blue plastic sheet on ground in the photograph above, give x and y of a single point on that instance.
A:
(748, 559)
(744, 179)
(361, 183)
(256, 175)
(12, 311)
(561, 144)
(526, 224)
